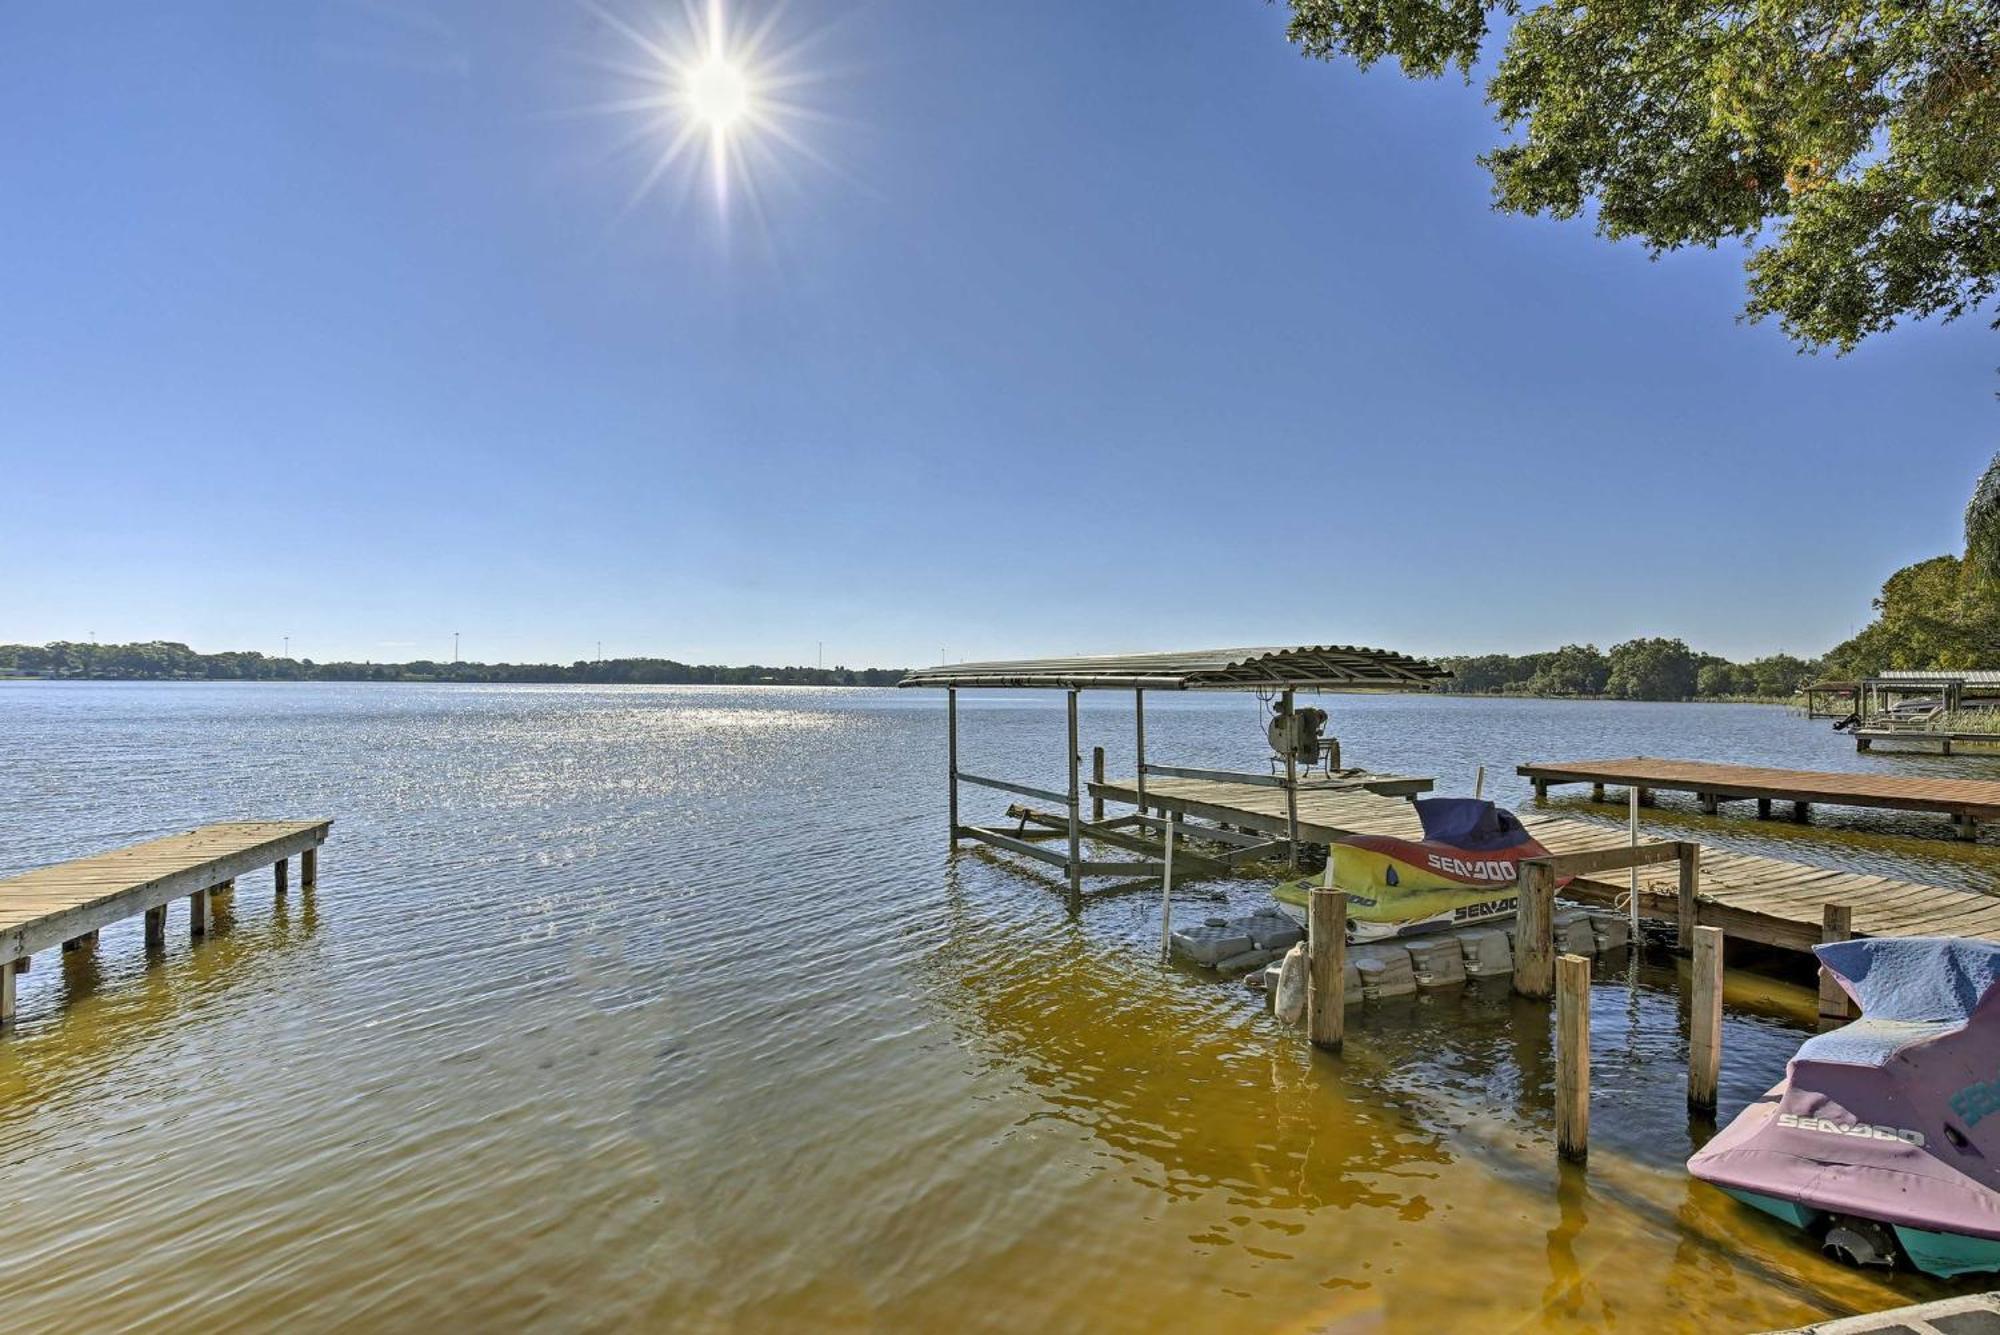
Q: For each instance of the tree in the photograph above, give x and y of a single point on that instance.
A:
(1574, 669)
(1652, 669)
(1940, 613)
(1718, 678)
(1855, 144)
(1982, 523)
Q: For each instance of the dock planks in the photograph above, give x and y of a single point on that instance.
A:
(71, 901)
(1967, 801)
(1755, 898)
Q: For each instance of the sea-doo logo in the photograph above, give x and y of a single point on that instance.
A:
(1486, 869)
(1491, 908)
(1863, 1130)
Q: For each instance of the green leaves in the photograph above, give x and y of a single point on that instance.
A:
(1854, 143)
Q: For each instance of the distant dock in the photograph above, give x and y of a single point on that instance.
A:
(1965, 801)
(67, 904)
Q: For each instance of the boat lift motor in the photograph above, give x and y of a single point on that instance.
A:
(1296, 734)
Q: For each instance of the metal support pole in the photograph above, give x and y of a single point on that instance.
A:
(951, 754)
(1097, 777)
(1632, 822)
(1291, 791)
(1139, 739)
(1075, 867)
(1167, 891)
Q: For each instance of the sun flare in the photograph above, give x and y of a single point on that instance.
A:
(708, 89)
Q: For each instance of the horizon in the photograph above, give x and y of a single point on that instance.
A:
(362, 326)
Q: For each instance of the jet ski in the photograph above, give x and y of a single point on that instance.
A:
(1883, 1139)
(1461, 873)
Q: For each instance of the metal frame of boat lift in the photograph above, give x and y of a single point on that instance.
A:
(1282, 671)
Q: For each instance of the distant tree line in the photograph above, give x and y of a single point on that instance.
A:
(165, 660)
(1642, 669)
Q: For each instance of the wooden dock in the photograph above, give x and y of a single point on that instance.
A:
(1923, 739)
(68, 903)
(1752, 898)
(1965, 801)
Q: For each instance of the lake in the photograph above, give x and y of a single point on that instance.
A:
(668, 1007)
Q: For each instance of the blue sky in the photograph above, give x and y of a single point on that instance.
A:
(1058, 328)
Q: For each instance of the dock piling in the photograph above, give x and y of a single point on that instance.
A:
(309, 869)
(1167, 889)
(156, 926)
(1097, 778)
(198, 914)
(1573, 1057)
(951, 757)
(1075, 867)
(7, 993)
(1836, 924)
(1705, 1020)
(1689, 897)
(1326, 993)
(1534, 930)
(281, 875)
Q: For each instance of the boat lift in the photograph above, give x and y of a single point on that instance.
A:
(1279, 672)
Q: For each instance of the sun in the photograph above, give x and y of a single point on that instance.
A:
(718, 93)
(703, 87)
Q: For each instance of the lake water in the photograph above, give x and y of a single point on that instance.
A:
(668, 1008)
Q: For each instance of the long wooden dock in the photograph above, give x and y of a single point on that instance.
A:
(1753, 898)
(1966, 801)
(68, 903)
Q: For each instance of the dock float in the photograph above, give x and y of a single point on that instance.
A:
(68, 903)
(1750, 897)
(1965, 801)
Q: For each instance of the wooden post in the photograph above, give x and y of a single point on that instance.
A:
(1541, 790)
(1139, 745)
(1763, 808)
(1573, 1057)
(1291, 791)
(951, 755)
(1705, 1020)
(156, 926)
(1644, 796)
(1690, 896)
(1708, 804)
(1167, 891)
(198, 913)
(1597, 792)
(1097, 776)
(1075, 866)
(281, 875)
(1478, 782)
(1326, 947)
(1534, 929)
(309, 869)
(1836, 924)
(7, 994)
(1802, 812)
(87, 941)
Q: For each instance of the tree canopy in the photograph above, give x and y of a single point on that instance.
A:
(1855, 144)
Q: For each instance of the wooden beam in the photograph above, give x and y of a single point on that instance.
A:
(1689, 899)
(1326, 992)
(1009, 786)
(1012, 845)
(1836, 924)
(1705, 1020)
(1534, 930)
(1612, 859)
(1573, 1057)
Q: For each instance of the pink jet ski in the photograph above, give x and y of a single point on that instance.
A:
(1884, 1139)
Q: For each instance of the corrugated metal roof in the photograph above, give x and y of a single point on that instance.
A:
(1339, 666)
(1970, 676)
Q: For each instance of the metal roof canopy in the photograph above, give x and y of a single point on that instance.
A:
(1303, 667)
